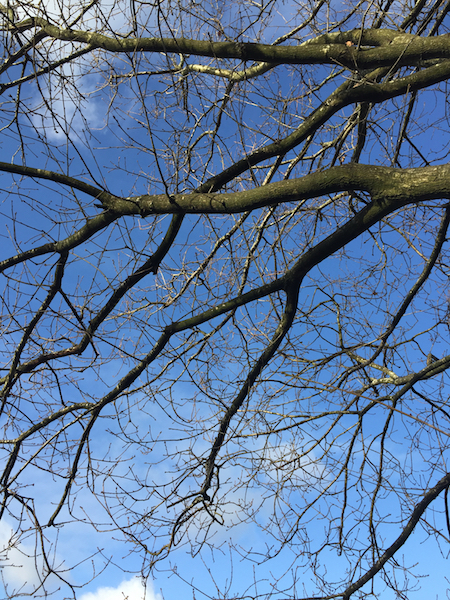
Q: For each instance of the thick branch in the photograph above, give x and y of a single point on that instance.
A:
(396, 187)
(413, 49)
(393, 186)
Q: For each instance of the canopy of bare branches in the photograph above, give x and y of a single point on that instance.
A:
(224, 260)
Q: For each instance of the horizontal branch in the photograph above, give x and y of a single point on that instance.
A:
(392, 47)
(387, 184)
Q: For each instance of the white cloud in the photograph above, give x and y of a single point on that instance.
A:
(133, 589)
(20, 566)
(18, 561)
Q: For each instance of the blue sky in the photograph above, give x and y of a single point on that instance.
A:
(121, 156)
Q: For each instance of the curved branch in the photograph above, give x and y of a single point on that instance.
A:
(280, 333)
(66, 180)
(86, 232)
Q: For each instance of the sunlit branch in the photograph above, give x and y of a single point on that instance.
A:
(413, 49)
